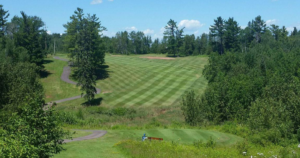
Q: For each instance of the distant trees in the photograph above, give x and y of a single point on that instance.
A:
(259, 88)
(174, 36)
(84, 42)
(27, 36)
(217, 33)
(3, 20)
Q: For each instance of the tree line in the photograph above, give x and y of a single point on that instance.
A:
(224, 35)
(253, 79)
(26, 128)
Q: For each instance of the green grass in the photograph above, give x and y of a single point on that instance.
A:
(136, 82)
(105, 146)
(152, 87)
(172, 150)
(55, 88)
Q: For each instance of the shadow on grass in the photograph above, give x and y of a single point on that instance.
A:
(44, 73)
(47, 61)
(101, 73)
(95, 102)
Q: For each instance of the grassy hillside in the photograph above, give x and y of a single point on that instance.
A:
(151, 87)
(55, 88)
(105, 146)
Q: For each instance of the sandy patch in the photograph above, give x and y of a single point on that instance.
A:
(106, 92)
(162, 58)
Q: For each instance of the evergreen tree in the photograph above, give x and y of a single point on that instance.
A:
(217, 32)
(170, 35)
(85, 42)
(231, 36)
(294, 32)
(3, 21)
(27, 36)
(259, 27)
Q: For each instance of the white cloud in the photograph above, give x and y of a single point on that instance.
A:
(190, 24)
(129, 29)
(148, 32)
(162, 30)
(96, 2)
(48, 32)
(243, 27)
(291, 28)
(108, 33)
(272, 21)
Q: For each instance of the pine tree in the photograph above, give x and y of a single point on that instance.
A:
(3, 21)
(86, 46)
(218, 31)
(170, 35)
(231, 36)
(28, 36)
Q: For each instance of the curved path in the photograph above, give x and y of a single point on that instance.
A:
(94, 135)
(65, 77)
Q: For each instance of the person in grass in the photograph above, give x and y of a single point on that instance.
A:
(144, 137)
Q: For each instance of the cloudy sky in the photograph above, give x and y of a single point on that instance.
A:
(150, 16)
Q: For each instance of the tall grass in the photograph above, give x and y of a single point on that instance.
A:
(137, 149)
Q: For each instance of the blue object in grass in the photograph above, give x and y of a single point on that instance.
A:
(144, 137)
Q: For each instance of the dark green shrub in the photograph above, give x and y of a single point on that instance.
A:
(191, 108)
(119, 111)
(211, 143)
(80, 114)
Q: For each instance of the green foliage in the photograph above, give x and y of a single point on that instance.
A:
(80, 115)
(191, 106)
(31, 132)
(27, 36)
(83, 41)
(168, 150)
(18, 82)
(259, 88)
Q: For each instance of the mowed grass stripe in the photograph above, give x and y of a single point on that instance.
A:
(175, 93)
(168, 93)
(118, 77)
(152, 93)
(148, 90)
(160, 93)
(147, 85)
(122, 78)
(137, 97)
(138, 84)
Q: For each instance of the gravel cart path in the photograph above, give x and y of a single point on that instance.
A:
(94, 135)
(65, 77)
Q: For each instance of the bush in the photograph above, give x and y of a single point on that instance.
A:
(191, 108)
(80, 115)
(32, 132)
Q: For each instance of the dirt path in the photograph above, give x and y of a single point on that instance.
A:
(65, 77)
(94, 135)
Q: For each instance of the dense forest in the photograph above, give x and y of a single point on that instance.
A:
(253, 76)
(253, 79)
(26, 128)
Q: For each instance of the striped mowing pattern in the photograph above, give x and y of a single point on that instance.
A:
(135, 81)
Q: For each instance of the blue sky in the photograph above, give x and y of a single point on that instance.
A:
(150, 16)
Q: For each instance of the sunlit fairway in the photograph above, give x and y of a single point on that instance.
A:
(104, 146)
(55, 88)
(132, 81)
